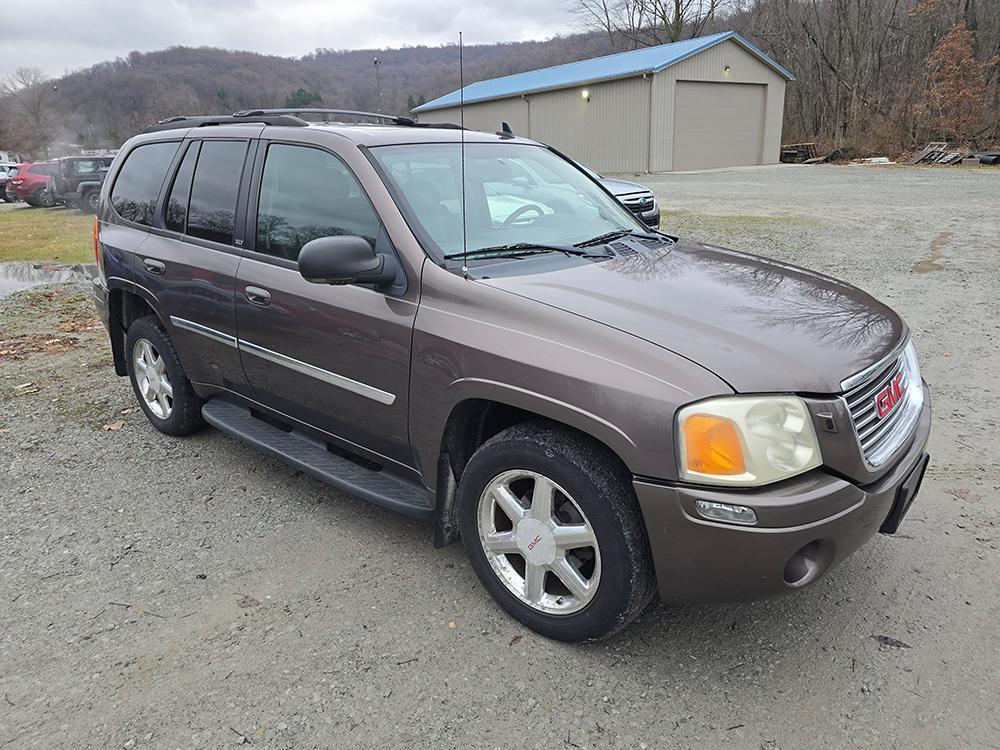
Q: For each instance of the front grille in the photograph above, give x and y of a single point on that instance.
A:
(885, 407)
(638, 203)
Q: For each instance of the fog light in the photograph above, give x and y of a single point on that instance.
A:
(725, 512)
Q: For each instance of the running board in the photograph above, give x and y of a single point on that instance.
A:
(311, 456)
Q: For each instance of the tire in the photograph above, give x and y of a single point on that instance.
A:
(178, 413)
(592, 499)
(89, 201)
(45, 199)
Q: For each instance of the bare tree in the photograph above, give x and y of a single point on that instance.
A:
(29, 107)
(644, 23)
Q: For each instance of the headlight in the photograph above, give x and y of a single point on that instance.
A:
(745, 440)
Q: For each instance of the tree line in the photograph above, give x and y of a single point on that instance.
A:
(872, 76)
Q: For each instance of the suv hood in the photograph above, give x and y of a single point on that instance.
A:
(760, 325)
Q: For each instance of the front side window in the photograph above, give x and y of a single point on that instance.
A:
(307, 193)
(513, 193)
(138, 184)
(212, 208)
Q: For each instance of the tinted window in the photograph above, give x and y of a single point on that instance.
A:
(138, 183)
(306, 193)
(46, 169)
(177, 203)
(212, 209)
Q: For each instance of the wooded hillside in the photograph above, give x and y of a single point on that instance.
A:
(872, 75)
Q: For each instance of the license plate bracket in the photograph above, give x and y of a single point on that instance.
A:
(905, 496)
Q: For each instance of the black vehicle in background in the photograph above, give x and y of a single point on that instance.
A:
(77, 180)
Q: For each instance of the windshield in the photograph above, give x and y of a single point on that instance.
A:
(515, 193)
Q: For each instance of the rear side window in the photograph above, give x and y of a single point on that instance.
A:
(177, 203)
(138, 183)
(212, 207)
(45, 169)
(307, 193)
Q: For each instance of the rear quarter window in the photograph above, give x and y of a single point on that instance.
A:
(138, 184)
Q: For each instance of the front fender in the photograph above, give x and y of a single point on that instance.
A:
(474, 341)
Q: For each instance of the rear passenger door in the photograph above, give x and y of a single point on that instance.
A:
(334, 357)
(189, 261)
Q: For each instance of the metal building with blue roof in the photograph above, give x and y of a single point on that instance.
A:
(712, 101)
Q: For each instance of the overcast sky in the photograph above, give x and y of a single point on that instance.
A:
(62, 35)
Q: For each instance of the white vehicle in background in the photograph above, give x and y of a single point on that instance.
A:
(7, 170)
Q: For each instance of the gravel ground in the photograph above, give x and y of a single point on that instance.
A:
(168, 593)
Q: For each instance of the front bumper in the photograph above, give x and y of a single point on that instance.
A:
(806, 525)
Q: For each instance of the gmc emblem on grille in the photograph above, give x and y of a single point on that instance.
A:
(888, 397)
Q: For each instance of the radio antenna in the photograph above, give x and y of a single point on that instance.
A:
(461, 115)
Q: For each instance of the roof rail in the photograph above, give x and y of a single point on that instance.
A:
(394, 119)
(283, 117)
(201, 121)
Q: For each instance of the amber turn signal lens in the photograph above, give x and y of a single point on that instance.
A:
(712, 445)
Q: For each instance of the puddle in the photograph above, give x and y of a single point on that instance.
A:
(937, 252)
(18, 275)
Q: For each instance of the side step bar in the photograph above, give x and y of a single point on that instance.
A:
(311, 456)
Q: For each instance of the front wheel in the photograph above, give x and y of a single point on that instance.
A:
(161, 387)
(554, 532)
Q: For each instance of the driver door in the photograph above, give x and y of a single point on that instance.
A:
(334, 357)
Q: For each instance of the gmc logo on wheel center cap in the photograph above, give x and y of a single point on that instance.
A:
(533, 542)
(888, 397)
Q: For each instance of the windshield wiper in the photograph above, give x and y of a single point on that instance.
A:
(615, 235)
(524, 248)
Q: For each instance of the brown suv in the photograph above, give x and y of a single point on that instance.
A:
(597, 410)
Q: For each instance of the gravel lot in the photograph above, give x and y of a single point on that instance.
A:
(168, 593)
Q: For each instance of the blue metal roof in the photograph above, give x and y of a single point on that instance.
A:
(621, 65)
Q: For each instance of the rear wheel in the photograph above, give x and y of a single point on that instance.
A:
(89, 201)
(45, 199)
(554, 532)
(162, 389)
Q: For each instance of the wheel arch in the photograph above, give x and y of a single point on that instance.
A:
(125, 306)
(488, 410)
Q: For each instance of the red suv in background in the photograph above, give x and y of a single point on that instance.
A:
(30, 182)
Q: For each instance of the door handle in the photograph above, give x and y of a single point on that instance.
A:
(257, 296)
(154, 266)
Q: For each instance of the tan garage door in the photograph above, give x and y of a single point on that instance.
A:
(718, 124)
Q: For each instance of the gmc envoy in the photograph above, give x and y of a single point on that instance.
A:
(597, 410)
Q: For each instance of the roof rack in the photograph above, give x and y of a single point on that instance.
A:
(394, 119)
(283, 117)
(201, 121)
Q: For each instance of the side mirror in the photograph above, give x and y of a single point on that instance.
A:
(344, 260)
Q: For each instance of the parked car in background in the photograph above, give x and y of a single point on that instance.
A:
(77, 180)
(31, 184)
(637, 198)
(7, 170)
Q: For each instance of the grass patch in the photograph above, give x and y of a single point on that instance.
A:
(57, 234)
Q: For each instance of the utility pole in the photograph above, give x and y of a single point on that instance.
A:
(378, 84)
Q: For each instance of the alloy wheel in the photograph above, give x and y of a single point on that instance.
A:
(539, 542)
(152, 379)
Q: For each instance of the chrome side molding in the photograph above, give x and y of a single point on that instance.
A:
(340, 381)
(362, 389)
(190, 325)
